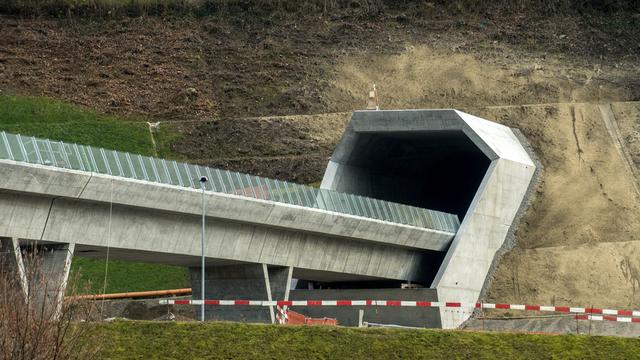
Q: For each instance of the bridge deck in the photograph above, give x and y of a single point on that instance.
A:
(121, 164)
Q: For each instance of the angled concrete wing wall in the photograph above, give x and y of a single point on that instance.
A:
(491, 209)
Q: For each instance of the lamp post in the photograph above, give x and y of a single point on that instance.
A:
(203, 179)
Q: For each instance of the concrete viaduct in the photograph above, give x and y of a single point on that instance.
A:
(424, 197)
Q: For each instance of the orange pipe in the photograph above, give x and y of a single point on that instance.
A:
(135, 294)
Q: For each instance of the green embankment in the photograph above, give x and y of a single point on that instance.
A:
(42, 117)
(124, 276)
(148, 340)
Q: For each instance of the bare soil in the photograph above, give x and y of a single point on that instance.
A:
(245, 65)
(294, 148)
(577, 240)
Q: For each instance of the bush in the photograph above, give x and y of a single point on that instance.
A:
(36, 325)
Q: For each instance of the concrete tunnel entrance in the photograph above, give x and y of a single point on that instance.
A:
(438, 170)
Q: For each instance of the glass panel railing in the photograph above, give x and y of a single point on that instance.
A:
(5, 151)
(31, 148)
(97, 160)
(13, 144)
(59, 155)
(163, 173)
(215, 176)
(125, 165)
(113, 165)
(87, 158)
(72, 157)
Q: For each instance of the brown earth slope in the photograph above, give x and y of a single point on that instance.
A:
(578, 241)
(247, 65)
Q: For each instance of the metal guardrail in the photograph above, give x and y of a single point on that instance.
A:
(122, 164)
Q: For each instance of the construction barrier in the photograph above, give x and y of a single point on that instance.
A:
(608, 318)
(434, 304)
(282, 316)
(294, 318)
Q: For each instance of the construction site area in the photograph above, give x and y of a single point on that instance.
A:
(362, 170)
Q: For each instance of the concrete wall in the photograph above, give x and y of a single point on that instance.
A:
(348, 315)
(486, 225)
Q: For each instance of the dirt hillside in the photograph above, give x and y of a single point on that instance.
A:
(578, 242)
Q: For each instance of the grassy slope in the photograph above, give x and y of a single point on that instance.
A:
(60, 121)
(147, 340)
(127, 276)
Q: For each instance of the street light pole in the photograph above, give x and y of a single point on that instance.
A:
(203, 179)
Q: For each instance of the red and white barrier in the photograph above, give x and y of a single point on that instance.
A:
(608, 318)
(434, 304)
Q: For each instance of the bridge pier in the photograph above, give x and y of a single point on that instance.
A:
(242, 282)
(11, 264)
(40, 271)
(55, 264)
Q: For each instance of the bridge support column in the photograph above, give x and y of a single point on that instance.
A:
(242, 282)
(55, 262)
(11, 264)
(40, 271)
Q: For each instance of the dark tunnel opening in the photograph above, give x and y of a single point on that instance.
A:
(438, 170)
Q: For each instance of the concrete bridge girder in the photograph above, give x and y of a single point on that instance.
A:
(152, 222)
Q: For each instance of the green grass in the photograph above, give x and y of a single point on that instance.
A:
(165, 137)
(42, 117)
(125, 276)
(149, 340)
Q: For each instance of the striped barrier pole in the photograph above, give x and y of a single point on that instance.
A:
(608, 318)
(282, 317)
(401, 303)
